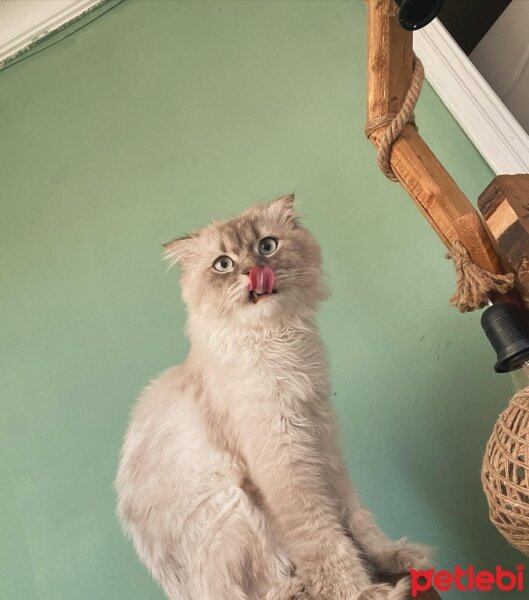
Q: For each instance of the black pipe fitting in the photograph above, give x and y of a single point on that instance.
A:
(415, 14)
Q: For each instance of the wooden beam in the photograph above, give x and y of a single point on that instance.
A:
(389, 59)
(447, 209)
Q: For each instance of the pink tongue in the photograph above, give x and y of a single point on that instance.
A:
(261, 280)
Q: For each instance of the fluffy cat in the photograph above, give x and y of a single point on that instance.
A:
(231, 484)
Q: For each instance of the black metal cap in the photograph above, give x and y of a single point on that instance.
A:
(508, 332)
(415, 14)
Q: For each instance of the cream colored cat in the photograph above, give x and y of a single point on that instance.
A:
(231, 483)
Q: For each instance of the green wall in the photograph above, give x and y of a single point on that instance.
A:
(155, 119)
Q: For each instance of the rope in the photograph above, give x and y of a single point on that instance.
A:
(474, 284)
(395, 123)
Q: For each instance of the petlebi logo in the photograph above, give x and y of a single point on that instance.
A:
(468, 580)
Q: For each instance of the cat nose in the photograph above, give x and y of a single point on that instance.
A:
(247, 270)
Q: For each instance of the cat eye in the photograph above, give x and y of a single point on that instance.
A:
(267, 245)
(223, 264)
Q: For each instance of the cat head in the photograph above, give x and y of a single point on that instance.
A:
(259, 266)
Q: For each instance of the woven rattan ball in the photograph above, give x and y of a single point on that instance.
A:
(505, 473)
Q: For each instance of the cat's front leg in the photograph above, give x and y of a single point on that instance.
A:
(295, 590)
(381, 591)
(286, 465)
(400, 556)
(388, 556)
(289, 590)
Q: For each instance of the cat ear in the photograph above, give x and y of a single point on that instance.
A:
(285, 203)
(282, 210)
(177, 250)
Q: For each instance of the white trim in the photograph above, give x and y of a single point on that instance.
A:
(497, 135)
(24, 23)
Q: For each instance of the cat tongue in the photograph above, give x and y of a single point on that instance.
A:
(261, 280)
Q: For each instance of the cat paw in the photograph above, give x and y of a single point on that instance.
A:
(401, 556)
(291, 590)
(381, 591)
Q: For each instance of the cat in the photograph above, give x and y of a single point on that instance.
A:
(231, 483)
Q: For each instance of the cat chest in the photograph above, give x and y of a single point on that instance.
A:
(271, 382)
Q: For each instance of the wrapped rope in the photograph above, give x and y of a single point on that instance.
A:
(395, 123)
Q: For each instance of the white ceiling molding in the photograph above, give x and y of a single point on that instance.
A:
(497, 135)
(25, 22)
(502, 57)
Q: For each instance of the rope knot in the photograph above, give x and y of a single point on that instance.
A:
(474, 284)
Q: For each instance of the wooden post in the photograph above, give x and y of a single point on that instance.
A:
(505, 206)
(448, 210)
